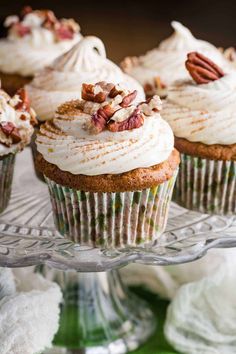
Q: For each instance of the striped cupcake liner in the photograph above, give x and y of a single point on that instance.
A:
(34, 153)
(6, 175)
(110, 220)
(207, 186)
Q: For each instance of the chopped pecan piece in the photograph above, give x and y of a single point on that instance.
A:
(15, 135)
(63, 32)
(115, 92)
(100, 118)
(10, 130)
(202, 69)
(159, 84)
(24, 103)
(89, 95)
(20, 29)
(127, 100)
(134, 121)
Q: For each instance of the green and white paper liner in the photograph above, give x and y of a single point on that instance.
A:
(111, 220)
(207, 186)
(6, 175)
(34, 153)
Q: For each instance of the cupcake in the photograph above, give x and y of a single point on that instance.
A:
(33, 41)
(62, 81)
(110, 165)
(202, 114)
(16, 127)
(162, 66)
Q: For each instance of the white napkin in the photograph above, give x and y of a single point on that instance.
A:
(202, 317)
(165, 281)
(29, 311)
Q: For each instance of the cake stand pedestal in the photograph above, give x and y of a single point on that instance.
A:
(99, 314)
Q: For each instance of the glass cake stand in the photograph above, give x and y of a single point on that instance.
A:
(99, 314)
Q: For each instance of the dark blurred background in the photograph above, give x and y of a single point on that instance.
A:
(133, 27)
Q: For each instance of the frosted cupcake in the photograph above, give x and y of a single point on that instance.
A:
(16, 127)
(62, 81)
(162, 66)
(110, 165)
(202, 114)
(33, 41)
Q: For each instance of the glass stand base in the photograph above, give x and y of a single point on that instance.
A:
(99, 314)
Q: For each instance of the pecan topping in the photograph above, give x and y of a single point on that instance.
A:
(127, 100)
(63, 31)
(115, 92)
(202, 69)
(89, 95)
(24, 103)
(10, 130)
(100, 119)
(135, 120)
(20, 29)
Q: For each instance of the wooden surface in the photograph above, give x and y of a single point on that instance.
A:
(132, 27)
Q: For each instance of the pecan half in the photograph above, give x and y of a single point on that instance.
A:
(128, 99)
(89, 95)
(10, 130)
(202, 69)
(134, 121)
(100, 118)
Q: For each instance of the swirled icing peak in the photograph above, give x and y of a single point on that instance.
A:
(62, 81)
(161, 67)
(16, 121)
(87, 55)
(106, 132)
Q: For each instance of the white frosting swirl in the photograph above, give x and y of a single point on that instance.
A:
(167, 61)
(67, 144)
(86, 62)
(9, 114)
(203, 113)
(30, 53)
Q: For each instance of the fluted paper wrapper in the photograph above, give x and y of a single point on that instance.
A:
(35, 152)
(110, 220)
(6, 175)
(207, 186)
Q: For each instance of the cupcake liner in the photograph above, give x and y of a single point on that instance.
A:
(111, 220)
(6, 175)
(207, 186)
(34, 153)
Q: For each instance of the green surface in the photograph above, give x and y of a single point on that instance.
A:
(157, 344)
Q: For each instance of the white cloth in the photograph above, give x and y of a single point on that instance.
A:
(29, 311)
(201, 318)
(165, 281)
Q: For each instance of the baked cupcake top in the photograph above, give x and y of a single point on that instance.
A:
(62, 81)
(16, 122)
(34, 40)
(163, 65)
(106, 133)
(203, 109)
